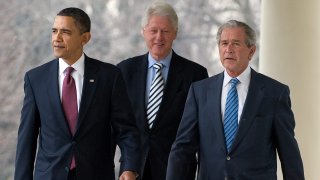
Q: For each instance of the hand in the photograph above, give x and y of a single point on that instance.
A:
(128, 175)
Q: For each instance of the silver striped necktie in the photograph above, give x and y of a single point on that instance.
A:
(155, 95)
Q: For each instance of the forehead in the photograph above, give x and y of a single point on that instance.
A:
(64, 22)
(159, 21)
(236, 33)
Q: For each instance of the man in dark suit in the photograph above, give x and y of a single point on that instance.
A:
(158, 120)
(76, 143)
(241, 145)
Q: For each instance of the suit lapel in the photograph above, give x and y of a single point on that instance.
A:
(172, 87)
(90, 82)
(253, 100)
(53, 95)
(213, 110)
(139, 78)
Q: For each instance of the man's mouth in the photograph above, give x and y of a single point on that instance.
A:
(58, 46)
(159, 44)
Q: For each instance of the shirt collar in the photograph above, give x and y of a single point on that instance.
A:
(244, 77)
(165, 61)
(78, 66)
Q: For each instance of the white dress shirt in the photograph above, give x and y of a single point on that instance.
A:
(77, 74)
(242, 89)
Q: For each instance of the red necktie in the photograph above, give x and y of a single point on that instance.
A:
(69, 104)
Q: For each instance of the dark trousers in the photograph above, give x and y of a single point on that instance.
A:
(72, 175)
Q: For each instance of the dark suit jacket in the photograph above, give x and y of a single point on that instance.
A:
(266, 126)
(104, 115)
(156, 143)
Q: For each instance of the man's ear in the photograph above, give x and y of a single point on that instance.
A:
(252, 51)
(85, 38)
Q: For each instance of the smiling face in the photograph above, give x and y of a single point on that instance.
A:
(159, 34)
(234, 52)
(67, 41)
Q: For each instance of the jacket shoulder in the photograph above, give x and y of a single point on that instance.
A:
(132, 61)
(189, 64)
(269, 82)
(102, 66)
(42, 69)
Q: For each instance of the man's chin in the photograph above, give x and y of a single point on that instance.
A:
(57, 54)
(229, 63)
(159, 54)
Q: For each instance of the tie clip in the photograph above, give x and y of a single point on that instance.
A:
(91, 80)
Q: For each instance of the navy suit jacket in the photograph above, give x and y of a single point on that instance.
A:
(266, 127)
(156, 143)
(104, 115)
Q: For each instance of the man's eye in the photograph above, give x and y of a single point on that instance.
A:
(153, 31)
(66, 32)
(223, 44)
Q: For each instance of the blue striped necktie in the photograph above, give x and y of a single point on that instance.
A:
(231, 113)
(155, 95)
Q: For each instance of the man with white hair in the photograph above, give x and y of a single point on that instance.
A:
(157, 84)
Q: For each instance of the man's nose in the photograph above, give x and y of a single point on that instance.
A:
(229, 48)
(159, 34)
(56, 36)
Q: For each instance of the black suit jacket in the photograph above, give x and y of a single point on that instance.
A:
(156, 143)
(266, 127)
(104, 115)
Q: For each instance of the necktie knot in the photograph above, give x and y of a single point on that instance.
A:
(69, 70)
(234, 82)
(158, 66)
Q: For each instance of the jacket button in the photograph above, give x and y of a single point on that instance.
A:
(228, 158)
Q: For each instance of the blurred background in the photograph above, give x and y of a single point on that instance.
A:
(288, 32)
(26, 34)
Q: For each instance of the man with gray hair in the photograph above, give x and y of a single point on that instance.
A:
(237, 120)
(158, 83)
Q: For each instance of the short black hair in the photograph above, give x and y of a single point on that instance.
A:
(82, 20)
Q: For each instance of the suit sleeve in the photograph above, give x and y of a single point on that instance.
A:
(287, 146)
(125, 130)
(27, 135)
(186, 142)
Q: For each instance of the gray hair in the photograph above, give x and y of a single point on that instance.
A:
(160, 8)
(250, 33)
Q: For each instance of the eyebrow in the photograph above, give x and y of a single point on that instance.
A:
(62, 29)
(232, 40)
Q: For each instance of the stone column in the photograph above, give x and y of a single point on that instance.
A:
(290, 53)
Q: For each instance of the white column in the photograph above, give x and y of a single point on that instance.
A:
(290, 53)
